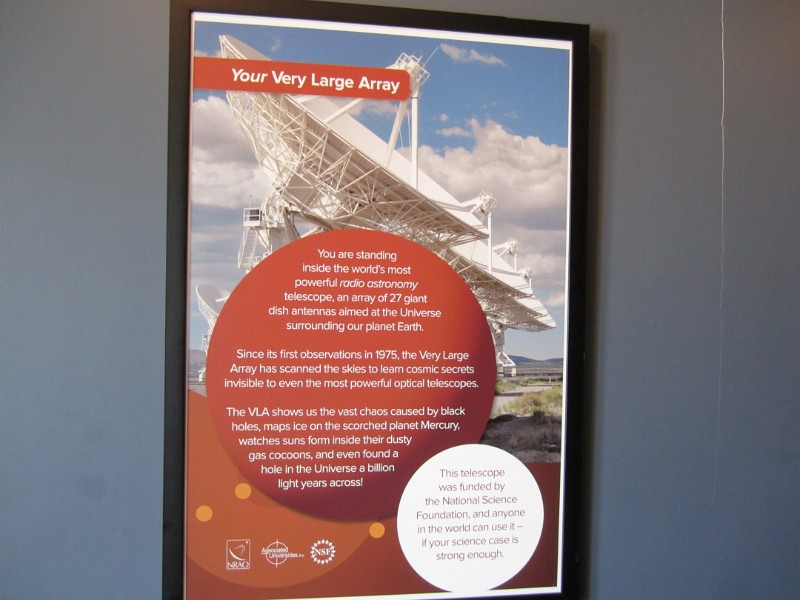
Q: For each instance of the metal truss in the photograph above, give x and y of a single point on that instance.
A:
(328, 180)
(323, 176)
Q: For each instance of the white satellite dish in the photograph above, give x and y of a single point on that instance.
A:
(210, 300)
(334, 172)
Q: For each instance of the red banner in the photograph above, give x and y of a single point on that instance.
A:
(299, 78)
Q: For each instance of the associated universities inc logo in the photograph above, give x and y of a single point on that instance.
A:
(278, 553)
(237, 555)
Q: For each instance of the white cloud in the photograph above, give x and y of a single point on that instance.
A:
(547, 274)
(225, 179)
(377, 107)
(529, 180)
(215, 132)
(224, 171)
(528, 177)
(466, 56)
(454, 132)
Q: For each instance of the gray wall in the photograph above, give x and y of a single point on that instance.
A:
(693, 437)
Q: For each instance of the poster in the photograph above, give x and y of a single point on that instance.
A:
(378, 313)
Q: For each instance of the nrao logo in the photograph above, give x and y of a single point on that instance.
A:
(237, 555)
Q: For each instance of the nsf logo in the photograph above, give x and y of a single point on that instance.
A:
(322, 552)
(237, 555)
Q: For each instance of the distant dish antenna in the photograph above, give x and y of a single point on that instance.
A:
(210, 300)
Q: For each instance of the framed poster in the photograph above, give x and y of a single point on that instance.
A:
(375, 302)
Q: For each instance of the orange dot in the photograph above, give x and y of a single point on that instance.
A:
(204, 513)
(377, 530)
(243, 491)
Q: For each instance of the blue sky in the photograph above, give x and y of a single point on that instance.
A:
(523, 88)
(493, 117)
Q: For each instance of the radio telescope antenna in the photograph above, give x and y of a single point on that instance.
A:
(210, 300)
(332, 172)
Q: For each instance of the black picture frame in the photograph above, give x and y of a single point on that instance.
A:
(178, 241)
